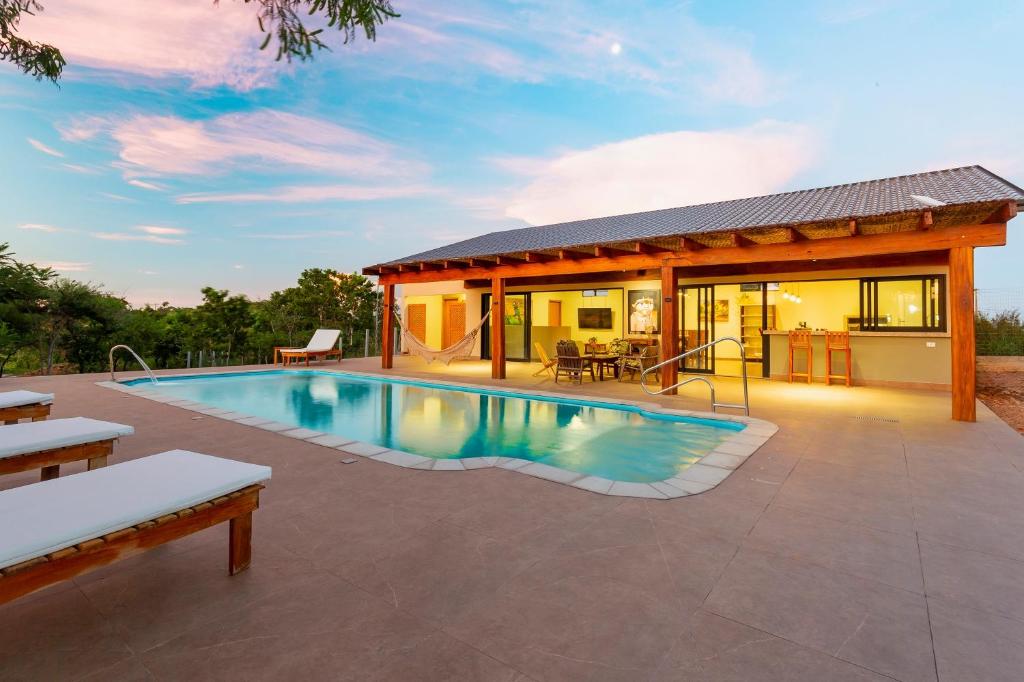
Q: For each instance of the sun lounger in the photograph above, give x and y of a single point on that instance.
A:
(48, 444)
(56, 530)
(322, 345)
(15, 405)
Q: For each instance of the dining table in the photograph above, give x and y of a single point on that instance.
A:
(603, 361)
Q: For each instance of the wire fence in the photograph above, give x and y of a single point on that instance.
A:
(999, 327)
(354, 343)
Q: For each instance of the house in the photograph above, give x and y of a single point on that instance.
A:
(890, 260)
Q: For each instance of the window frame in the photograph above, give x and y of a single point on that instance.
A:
(936, 316)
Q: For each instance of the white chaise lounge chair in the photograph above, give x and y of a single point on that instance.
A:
(48, 444)
(15, 405)
(323, 345)
(56, 530)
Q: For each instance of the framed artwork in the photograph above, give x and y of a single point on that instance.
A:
(644, 311)
(721, 310)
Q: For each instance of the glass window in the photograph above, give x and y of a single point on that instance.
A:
(903, 303)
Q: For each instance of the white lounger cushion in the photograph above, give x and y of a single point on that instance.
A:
(323, 339)
(21, 439)
(19, 398)
(51, 515)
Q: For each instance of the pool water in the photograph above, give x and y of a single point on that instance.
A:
(621, 443)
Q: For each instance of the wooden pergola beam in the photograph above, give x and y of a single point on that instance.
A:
(537, 257)
(834, 247)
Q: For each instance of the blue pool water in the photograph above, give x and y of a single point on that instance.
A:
(622, 443)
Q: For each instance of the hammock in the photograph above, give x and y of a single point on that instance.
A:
(460, 350)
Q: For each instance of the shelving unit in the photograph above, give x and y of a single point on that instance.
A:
(750, 326)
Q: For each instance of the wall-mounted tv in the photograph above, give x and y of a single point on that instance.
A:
(595, 318)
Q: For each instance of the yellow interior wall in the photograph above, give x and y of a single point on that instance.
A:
(572, 301)
(435, 314)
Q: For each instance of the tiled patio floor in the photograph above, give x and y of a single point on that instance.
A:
(871, 538)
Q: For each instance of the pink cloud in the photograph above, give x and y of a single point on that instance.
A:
(43, 148)
(662, 171)
(208, 43)
(310, 193)
(269, 140)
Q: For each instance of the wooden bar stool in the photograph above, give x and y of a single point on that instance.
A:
(800, 339)
(838, 341)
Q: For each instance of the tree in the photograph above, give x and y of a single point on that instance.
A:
(82, 321)
(223, 320)
(23, 292)
(278, 19)
(36, 59)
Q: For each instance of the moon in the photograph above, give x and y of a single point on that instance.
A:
(616, 48)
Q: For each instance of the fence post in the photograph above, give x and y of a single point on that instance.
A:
(200, 359)
(188, 360)
(366, 344)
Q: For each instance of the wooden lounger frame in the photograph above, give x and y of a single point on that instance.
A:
(237, 507)
(49, 461)
(289, 357)
(37, 412)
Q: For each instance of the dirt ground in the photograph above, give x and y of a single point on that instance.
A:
(1001, 387)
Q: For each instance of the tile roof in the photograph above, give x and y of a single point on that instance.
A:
(858, 200)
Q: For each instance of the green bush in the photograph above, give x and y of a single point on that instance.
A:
(1000, 333)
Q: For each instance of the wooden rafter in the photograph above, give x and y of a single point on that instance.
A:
(610, 252)
(537, 257)
(854, 229)
(827, 248)
(737, 240)
(926, 221)
(508, 260)
(648, 247)
(455, 265)
(688, 244)
(793, 234)
(1003, 214)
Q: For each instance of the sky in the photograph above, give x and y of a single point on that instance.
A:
(175, 154)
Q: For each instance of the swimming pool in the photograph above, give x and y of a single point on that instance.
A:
(607, 440)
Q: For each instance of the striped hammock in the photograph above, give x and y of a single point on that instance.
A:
(460, 350)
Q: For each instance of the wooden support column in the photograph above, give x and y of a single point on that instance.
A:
(497, 328)
(669, 325)
(961, 329)
(387, 335)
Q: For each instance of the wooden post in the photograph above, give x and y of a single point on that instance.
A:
(961, 330)
(497, 328)
(669, 326)
(387, 350)
(240, 543)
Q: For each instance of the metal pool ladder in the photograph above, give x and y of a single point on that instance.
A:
(714, 403)
(145, 367)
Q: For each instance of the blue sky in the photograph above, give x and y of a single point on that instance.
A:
(176, 155)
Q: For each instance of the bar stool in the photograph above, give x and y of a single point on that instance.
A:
(838, 341)
(800, 339)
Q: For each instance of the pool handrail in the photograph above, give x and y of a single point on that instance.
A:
(714, 403)
(145, 367)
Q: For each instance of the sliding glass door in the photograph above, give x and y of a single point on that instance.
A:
(517, 327)
(698, 327)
